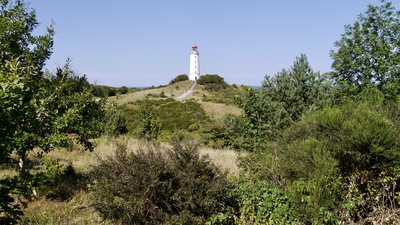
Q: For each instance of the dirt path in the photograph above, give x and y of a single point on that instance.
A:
(188, 92)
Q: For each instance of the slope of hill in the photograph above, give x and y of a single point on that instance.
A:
(212, 102)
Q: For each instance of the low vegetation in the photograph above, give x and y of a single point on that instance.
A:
(179, 78)
(174, 186)
(305, 148)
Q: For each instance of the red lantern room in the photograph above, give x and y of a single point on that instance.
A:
(194, 47)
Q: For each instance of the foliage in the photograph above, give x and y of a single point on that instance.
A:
(256, 129)
(156, 186)
(224, 133)
(168, 115)
(295, 92)
(115, 122)
(56, 180)
(225, 95)
(368, 53)
(212, 82)
(282, 100)
(123, 90)
(149, 126)
(339, 162)
(179, 78)
(11, 208)
(37, 111)
(107, 91)
(262, 202)
(100, 91)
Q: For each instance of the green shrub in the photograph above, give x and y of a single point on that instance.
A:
(159, 186)
(262, 202)
(212, 82)
(57, 181)
(224, 133)
(115, 124)
(210, 79)
(193, 127)
(123, 90)
(179, 78)
(338, 162)
(12, 208)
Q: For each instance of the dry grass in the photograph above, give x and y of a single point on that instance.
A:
(173, 90)
(74, 211)
(216, 111)
(225, 158)
(82, 160)
(77, 210)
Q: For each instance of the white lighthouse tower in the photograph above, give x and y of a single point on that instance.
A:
(194, 72)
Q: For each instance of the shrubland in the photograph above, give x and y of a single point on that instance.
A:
(311, 148)
(150, 186)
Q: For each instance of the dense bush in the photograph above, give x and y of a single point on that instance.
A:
(179, 78)
(159, 186)
(123, 90)
(115, 123)
(107, 91)
(262, 202)
(212, 82)
(210, 79)
(226, 132)
(103, 91)
(337, 164)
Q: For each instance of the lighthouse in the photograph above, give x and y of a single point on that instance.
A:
(194, 72)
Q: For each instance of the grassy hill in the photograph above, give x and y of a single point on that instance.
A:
(215, 104)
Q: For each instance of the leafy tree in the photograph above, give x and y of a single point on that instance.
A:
(37, 111)
(256, 110)
(368, 53)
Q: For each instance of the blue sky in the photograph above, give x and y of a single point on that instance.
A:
(142, 43)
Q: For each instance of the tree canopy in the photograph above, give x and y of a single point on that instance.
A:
(368, 54)
(37, 111)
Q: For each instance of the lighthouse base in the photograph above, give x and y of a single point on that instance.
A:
(194, 76)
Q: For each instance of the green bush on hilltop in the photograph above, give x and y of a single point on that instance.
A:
(212, 82)
(179, 78)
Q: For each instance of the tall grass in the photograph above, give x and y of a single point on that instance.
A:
(73, 211)
(76, 210)
(225, 158)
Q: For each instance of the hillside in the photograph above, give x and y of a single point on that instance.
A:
(210, 102)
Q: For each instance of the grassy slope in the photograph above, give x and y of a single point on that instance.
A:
(214, 110)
